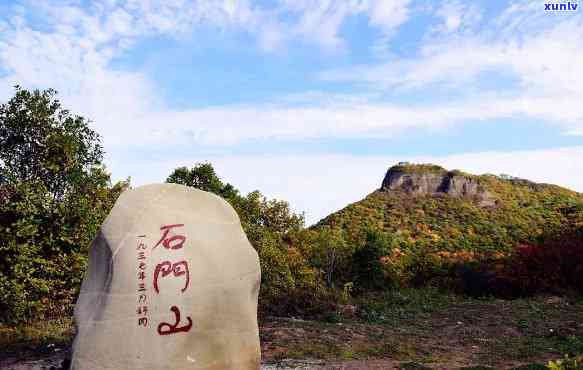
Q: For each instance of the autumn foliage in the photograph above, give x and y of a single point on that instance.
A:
(555, 266)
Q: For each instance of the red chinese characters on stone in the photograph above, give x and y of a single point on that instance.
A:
(173, 242)
(166, 328)
(177, 269)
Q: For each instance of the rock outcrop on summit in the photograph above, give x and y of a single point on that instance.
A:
(434, 180)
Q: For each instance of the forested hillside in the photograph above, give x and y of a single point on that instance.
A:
(440, 227)
(517, 211)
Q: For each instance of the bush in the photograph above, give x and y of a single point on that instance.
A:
(555, 266)
(481, 280)
(43, 244)
(567, 363)
(369, 272)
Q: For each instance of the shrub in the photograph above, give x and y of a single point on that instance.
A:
(43, 244)
(567, 363)
(369, 272)
(554, 266)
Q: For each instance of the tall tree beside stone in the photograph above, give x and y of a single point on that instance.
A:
(41, 141)
(202, 176)
(257, 213)
(54, 195)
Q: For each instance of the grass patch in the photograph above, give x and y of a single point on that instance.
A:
(394, 349)
(38, 337)
(529, 328)
(519, 349)
(532, 367)
(397, 306)
(315, 351)
(413, 365)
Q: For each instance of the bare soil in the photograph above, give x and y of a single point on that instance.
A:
(497, 334)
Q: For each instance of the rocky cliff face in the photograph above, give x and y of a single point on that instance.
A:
(433, 180)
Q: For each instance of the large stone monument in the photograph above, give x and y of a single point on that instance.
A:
(172, 284)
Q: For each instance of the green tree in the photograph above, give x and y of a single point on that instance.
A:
(41, 141)
(369, 272)
(256, 212)
(203, 176)
(332, 255)
(54, 195)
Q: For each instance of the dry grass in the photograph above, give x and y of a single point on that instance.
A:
(411, 329)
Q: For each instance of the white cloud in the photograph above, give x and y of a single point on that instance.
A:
(320, 21)
(544, 60)
(73, 52)
(537, 50)
(457, 16)
(349, 118)
(388, 15)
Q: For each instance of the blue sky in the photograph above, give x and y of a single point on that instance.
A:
(310, 101)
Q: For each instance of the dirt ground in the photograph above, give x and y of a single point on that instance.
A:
(494, 334)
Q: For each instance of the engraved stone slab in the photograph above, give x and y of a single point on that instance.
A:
(172, 283)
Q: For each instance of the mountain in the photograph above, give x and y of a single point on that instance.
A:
(424, 205)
